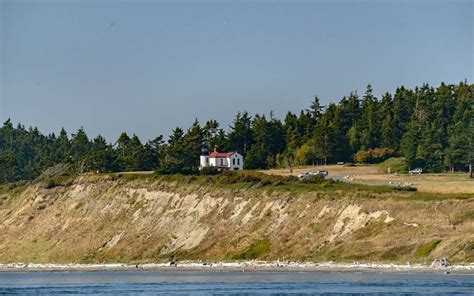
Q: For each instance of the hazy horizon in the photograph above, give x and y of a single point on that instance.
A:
(149, 66)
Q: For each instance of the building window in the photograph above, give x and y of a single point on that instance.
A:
(233, 161)
(238, 161)
(222, 161)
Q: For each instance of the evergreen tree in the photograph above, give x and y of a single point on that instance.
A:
(122, 145)
(211, 130)
(193, 141)
(176, 158)
(387, 132)
(135, 160)
(240, 135)
(7, 156)
(102, 156)
(153, 153)
(431, 128)
(315, 110)
(460, 151)
(80, 147)
(292, 134)
(369, 124)
(62, 149)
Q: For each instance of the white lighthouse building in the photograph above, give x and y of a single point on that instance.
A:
(222, 160)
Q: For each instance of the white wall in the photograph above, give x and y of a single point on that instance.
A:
(217, 161)
(236, 161)
(204, 161)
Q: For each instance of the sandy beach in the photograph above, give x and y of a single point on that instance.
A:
(244, 266)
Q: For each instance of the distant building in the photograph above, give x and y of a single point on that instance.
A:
(222, 160)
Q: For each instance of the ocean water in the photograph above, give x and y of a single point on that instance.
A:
(235, 283)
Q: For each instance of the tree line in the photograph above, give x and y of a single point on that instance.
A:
(431, 128)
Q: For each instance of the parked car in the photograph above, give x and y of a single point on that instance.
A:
(304, 175)
(324, 173)
(415, 171)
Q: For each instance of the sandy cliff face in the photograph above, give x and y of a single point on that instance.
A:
(102, 220)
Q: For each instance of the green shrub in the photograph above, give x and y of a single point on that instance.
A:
(209, 171)
(52, 183)
(425, 250)
(396, 165)
(253, 178)
(313, 179)
(374, 155)
(405, 188)
(256, 250)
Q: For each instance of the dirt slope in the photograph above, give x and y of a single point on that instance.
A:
(99, 219)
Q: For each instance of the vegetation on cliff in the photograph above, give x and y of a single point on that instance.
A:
(153, 218)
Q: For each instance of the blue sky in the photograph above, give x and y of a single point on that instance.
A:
(145, 67)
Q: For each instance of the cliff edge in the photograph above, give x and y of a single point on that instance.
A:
(88, 219)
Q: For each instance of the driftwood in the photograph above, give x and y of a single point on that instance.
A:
(440, 263)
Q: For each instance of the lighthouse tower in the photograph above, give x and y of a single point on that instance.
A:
(204, 158)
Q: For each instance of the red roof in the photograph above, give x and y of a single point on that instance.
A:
(221, 154)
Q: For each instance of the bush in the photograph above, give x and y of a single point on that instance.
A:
(231, 177)
(396, 165)
(52, 183)
(405, 188)
(252, 177)
(425, 250)
(313, 179)
(255, 250)
(58, 170)
(318, 179)
(209, 171)
(373, 155)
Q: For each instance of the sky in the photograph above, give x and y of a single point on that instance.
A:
(146, 67)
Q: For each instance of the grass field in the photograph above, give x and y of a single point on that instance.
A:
(445, 183)
(371, 175)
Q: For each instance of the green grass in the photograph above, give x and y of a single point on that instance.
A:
(13, 189)
(425, 250)
(395, 253)
(256, 250)
(55, 181)
(265, 183)
(428, 196)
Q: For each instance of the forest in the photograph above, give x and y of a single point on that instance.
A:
(427, 127)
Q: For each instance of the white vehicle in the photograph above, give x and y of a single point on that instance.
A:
(323, 173)
(304, 175)
(313, 173)
(415, 171)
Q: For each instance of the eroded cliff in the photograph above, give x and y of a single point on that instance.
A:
(106, 219)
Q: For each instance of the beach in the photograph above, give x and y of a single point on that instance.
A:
(244, 266)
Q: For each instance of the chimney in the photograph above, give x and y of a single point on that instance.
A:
(215, 148)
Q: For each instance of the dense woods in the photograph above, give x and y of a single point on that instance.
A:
(431, 128)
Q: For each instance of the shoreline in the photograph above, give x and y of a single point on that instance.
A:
(243, 266)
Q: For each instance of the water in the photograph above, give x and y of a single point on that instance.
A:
(236, 283)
